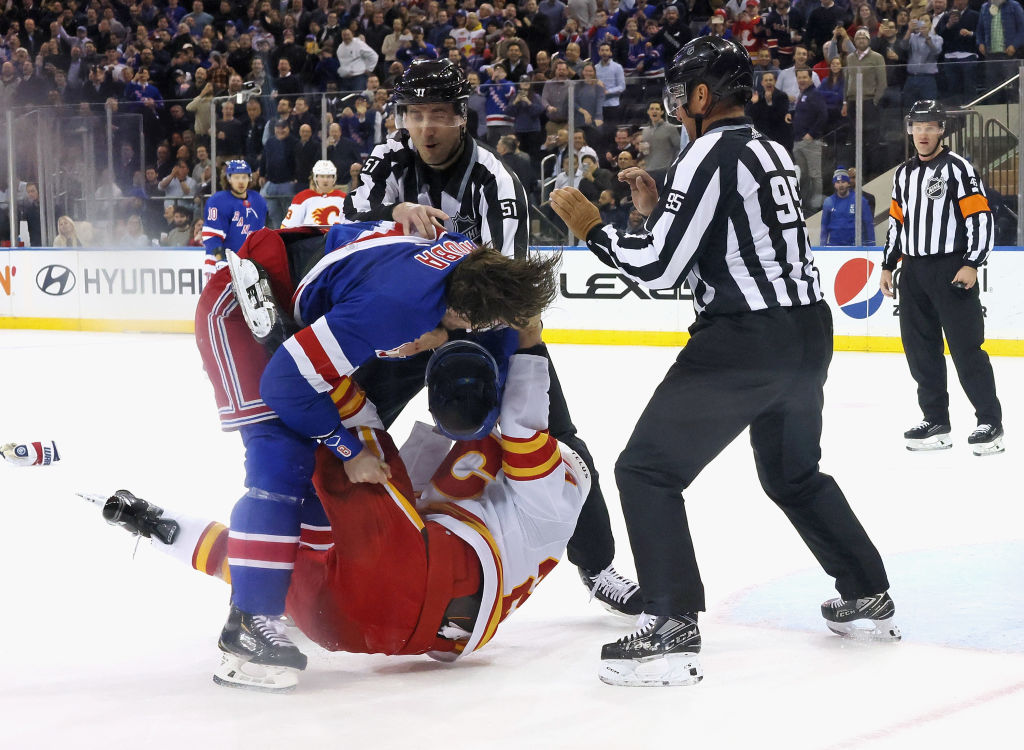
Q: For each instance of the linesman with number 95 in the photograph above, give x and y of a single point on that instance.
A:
(727, 220)
(941, 224)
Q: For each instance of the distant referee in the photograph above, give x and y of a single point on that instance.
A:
(941, 224)
(729, 221)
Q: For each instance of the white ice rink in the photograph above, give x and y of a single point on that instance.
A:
(105, 651)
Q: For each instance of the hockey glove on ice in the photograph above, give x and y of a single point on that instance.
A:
(41, 453)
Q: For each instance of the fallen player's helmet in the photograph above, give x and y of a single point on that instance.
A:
(236, 166)
(462, 390)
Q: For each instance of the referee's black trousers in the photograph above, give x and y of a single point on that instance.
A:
(392, 384)
(929, 306)
(764, 370)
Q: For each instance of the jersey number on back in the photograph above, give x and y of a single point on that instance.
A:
(784, 191)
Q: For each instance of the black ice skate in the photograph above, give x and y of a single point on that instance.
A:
(616, 593)
(139, 517)
(257, 654)
(928, 436)
(986, 440)
(662, 651)
(866, 619)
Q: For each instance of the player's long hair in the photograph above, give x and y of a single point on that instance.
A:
(488, 287)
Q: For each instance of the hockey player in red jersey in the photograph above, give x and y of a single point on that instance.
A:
(435, 559)
(313, 395)
(319, 205)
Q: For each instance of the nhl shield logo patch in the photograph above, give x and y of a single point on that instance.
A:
(467, 225)
(936, 188)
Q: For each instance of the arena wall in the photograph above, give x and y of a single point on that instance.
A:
(157, 290)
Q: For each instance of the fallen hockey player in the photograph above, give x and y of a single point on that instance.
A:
(430, 562)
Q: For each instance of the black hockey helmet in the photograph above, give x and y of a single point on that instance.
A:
(462, 390)
(926, 110)
(721, 64)
(430, 81)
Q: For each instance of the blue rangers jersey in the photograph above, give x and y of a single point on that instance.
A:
(376, 291)
(229, 220)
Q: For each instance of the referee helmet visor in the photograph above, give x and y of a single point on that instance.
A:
(432, 82)
(926, 116)
(720, 64)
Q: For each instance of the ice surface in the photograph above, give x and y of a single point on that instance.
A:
(103, 651)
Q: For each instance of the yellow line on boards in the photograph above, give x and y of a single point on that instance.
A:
(99, 324)
(995, 347)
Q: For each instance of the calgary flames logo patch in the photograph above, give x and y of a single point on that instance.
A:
(326, 215)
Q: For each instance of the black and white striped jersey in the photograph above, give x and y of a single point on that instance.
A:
(485, 201)
(938, 207)
(728, 221)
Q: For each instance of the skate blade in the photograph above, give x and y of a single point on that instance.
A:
(938, 443)
(236, 672)
(989, 449)
(874, 631)
(618, 612)
(671, 670)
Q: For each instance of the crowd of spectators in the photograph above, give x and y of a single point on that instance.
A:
(323, 68)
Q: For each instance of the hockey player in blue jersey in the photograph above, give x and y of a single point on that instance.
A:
(232, 215)
(376, 293)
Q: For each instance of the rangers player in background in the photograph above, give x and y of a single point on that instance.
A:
(378, 571)
(232, 215)
(378, 293)
(432, 174)
(941, 225)
(319, 205)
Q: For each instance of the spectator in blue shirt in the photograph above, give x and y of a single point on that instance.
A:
(838, 216)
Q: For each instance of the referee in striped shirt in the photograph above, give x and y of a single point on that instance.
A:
(729, 221)
(434, 175)
(941, 225)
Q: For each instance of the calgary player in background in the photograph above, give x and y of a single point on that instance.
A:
(378, 293)
(232, 214)
(432, 174)
(321, 204)
(380, 572)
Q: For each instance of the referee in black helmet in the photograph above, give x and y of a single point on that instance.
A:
(433, 174)
(941, 224)
(728, 220)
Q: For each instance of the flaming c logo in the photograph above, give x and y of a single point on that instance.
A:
(323, 216)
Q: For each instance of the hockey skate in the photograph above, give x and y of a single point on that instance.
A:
(257, 654)
(986, 440)
(135, 515)
(251, 287)
(928, 436)
(869, 618)
(617, 594)
(661, 652)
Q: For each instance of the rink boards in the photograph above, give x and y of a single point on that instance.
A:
(157, 290)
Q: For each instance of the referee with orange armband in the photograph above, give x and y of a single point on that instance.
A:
(941, 224)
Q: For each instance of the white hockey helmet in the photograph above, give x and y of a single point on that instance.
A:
(325, 167)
